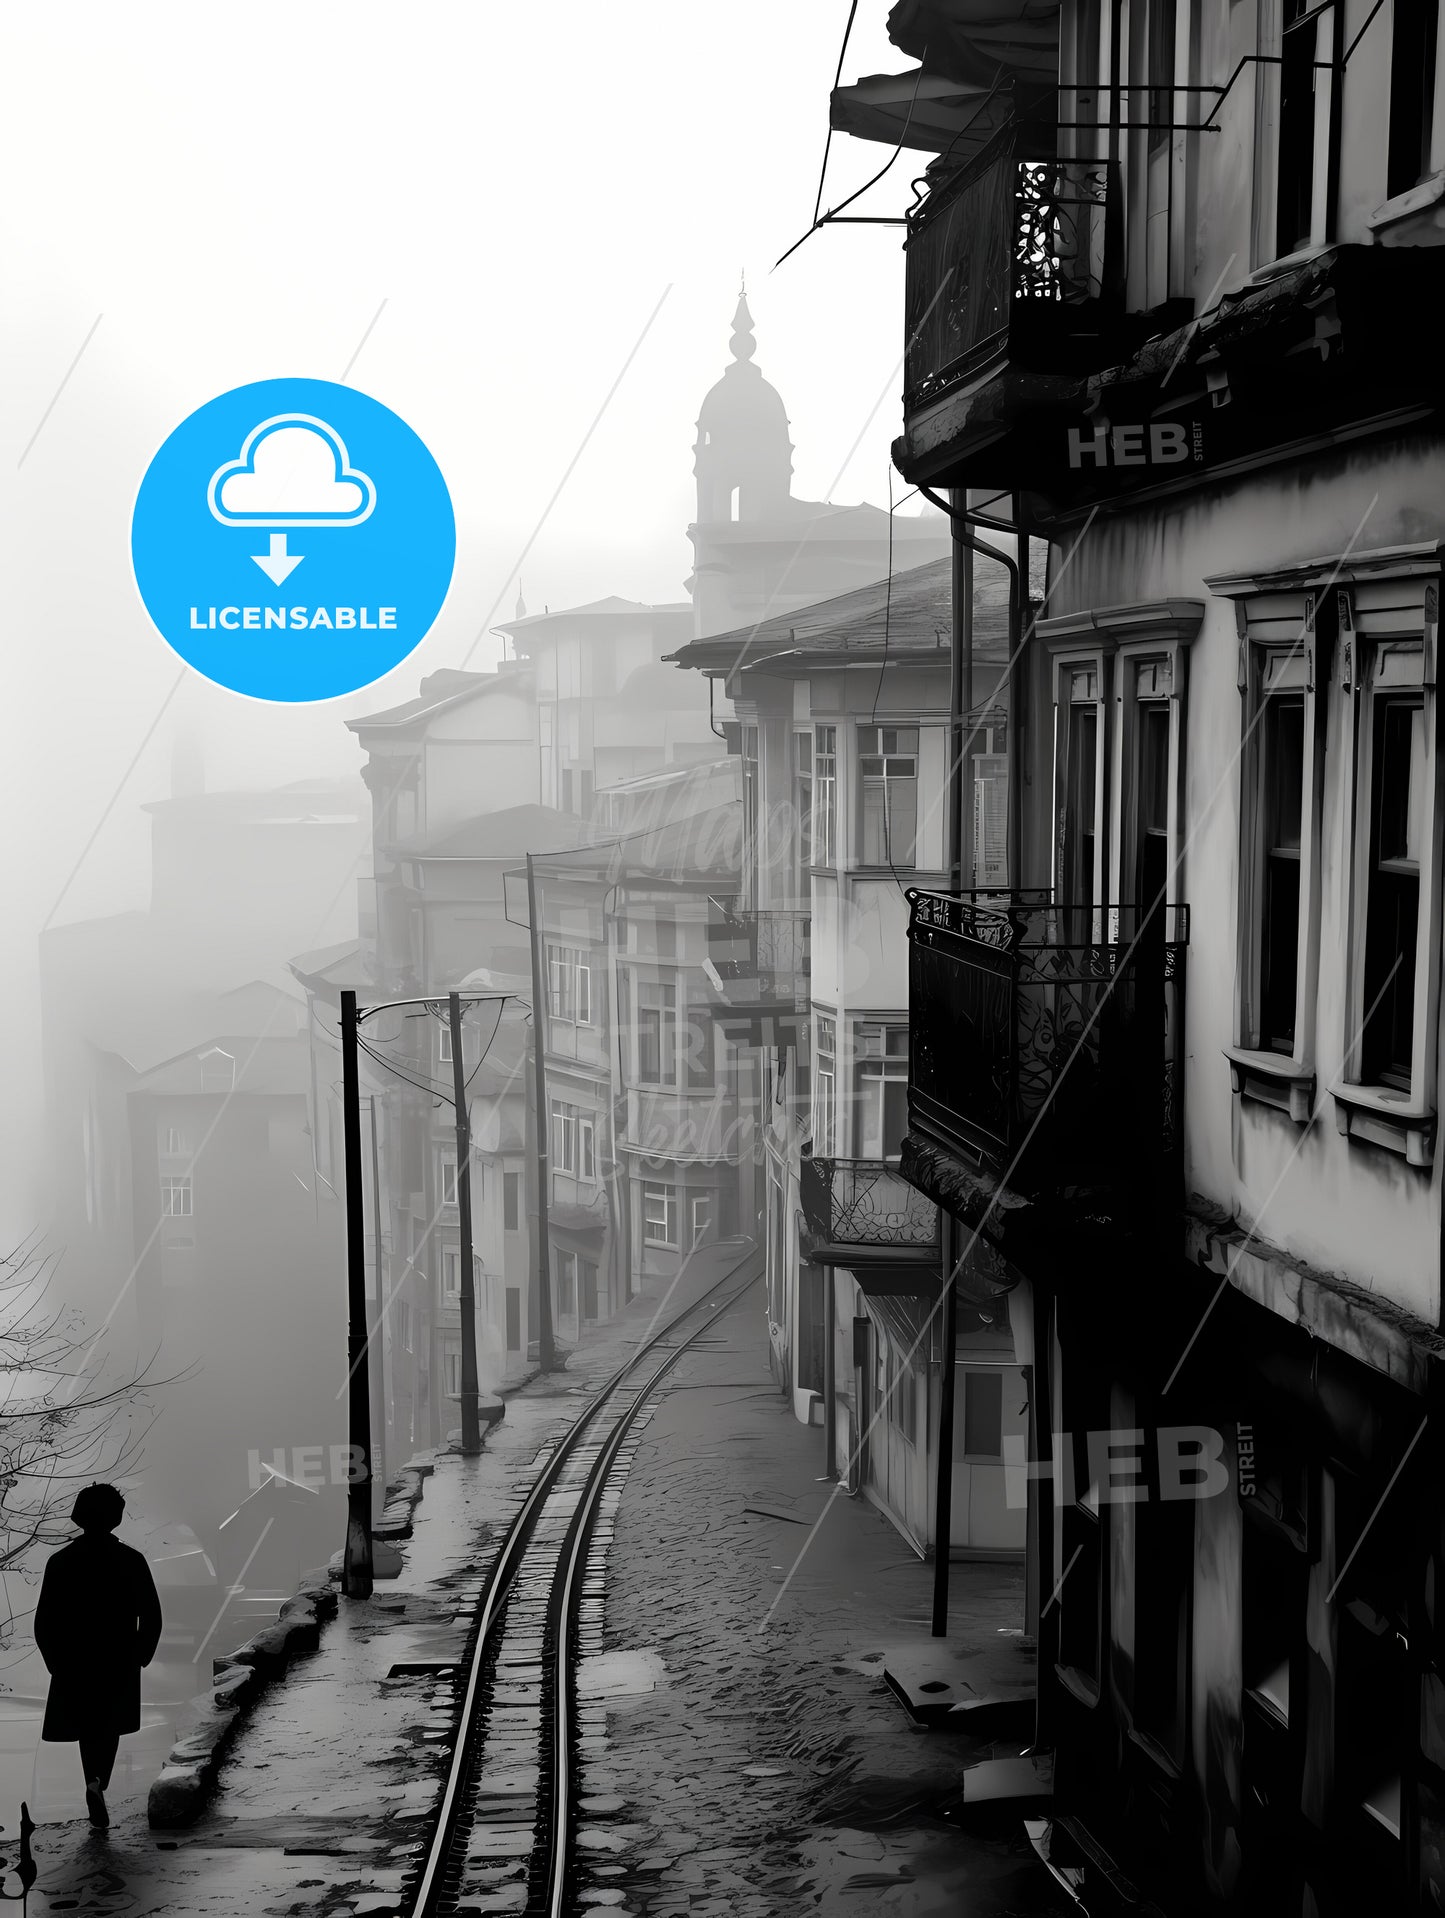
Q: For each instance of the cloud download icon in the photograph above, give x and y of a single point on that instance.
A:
(279, 456)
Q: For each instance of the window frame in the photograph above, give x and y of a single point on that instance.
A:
(700, 1215)
(669, 1208)
(569, 984)
(175, 1186)
(824, 1105)
(881, 1069)
(447, 1178)
(511, 1201)
(802, 773)
(1070, 664)
(1388, 660)
(1279, 636)
(887, 781)
(825, 798)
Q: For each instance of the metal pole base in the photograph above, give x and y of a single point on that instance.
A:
(356, 1571)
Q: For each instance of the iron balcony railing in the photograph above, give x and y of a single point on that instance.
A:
(1047, 1040)
(1013, 254)
(758, 958)
(864, 1206)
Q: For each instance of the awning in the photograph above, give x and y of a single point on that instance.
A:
(923, 111)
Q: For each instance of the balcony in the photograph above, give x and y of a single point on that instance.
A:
(1008, 259)
(758, 966)
(862, 1213)
(1046, 1059)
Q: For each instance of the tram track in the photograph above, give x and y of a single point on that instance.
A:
(509, 1797)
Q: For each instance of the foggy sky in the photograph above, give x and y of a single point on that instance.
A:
(236, 191)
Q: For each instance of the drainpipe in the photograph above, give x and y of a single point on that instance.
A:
(960, 704)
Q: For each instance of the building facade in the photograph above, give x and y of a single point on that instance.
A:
(1188, 1060)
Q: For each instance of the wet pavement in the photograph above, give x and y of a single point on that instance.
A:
(727, 1765)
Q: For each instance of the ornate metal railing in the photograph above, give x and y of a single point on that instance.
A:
(1047, 1040)
(863, 1203)
(759, 959)
(1011, 253)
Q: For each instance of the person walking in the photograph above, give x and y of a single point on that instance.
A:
(97, 1625)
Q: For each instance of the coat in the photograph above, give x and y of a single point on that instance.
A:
(97, 1623)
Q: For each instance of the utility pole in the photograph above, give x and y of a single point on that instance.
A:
(471, 1435)
(546, 1353)
(356, 1572)
(375, 1347)
(960, 700)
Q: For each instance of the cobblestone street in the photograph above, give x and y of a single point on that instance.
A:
(771, 1769)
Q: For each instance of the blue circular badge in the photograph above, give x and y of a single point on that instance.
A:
(293, 540)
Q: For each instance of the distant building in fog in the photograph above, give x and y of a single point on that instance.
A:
(757, 551)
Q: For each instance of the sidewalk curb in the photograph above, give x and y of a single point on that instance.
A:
(179, 1794)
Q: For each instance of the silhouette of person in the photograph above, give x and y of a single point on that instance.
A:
(97, 1623)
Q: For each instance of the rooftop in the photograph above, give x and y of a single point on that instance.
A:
(439, 691)
(509, 834)
(911, 614)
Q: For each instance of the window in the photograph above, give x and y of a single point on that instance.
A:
(1151, 845)
(1161, 72)
(444, 1042)
(451, 1272)
(511, 1201)
(701, 1217)
(888, 778)
(514, 1318)
(449, 1181)
(1392, 922)
(1282, 757)
(659, 1214)
(990, 820)
(1279, 860)
(880, 1090)
(175, 1142)
(573, 1141)
(218, 1071)
(656, 1033)
(825, 796)
(983, 1414)
(903, 1398)
(564, 1137)
(454, 1372)
(587, 1279)
(1412, 92)
(802, 806)
(1079, 732)
(750, 811)
(1308, 37)
(569, 984)
(176, 1198)
(825, 1083)
(566, 1284)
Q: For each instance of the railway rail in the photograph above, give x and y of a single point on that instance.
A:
(516, 1738)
